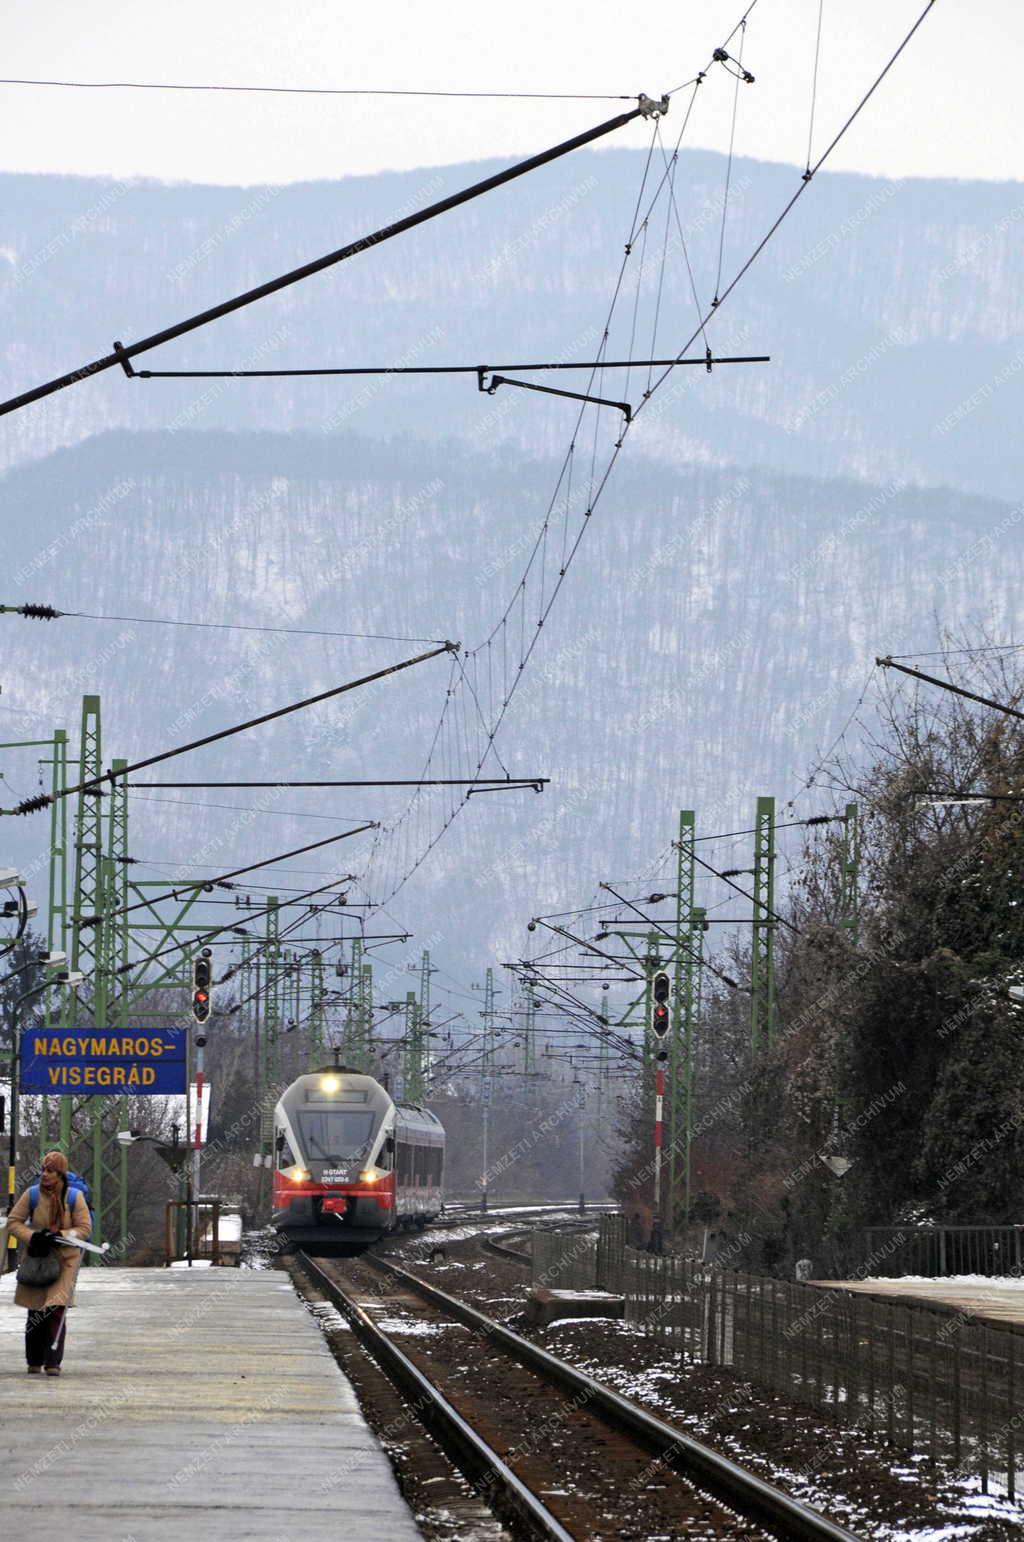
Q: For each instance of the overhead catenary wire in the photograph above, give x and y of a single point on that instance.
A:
(232, 87)
(260, 809)
(238, 626)
(943, 653)
(181, 890)
(601, 487)
(728, 164)
(814, 86)
(596, 492)
(656, 926)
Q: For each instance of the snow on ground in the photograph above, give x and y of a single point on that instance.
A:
(999, 1281)
(415, 1327)
(329, 1318)
(586, 1295)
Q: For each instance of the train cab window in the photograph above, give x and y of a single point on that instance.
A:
(336, 1134)
(284, 1151)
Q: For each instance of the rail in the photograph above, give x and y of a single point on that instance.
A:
(728, 1482)
(471, 1452)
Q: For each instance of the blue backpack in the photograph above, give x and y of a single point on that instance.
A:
(76, 1185)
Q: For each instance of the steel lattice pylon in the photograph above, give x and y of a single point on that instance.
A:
(88, 1125)
(417, 1026)
(57, 1005)
(270, 1035)
(687, 960)
(357, 1038)
(762, 953)
(317, 1024)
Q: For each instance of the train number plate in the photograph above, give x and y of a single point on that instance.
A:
(335, 1175)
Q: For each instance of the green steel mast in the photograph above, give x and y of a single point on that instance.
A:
(762, 954)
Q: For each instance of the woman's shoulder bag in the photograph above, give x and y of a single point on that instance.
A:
(40, 1265)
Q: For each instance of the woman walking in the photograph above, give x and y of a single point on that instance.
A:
(45, 1330)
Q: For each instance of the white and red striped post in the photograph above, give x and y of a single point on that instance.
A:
(198, 1137)
(659, 1106)
(660, 988)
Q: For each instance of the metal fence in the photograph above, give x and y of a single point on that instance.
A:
(926, 1379)
(579, 1260)
(941, 1250)
(937, 1382)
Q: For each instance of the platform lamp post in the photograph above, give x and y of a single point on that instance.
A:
(70, 977)
(581, 1094)
(485, 1098)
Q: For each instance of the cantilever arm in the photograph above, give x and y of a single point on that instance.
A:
(489, 388)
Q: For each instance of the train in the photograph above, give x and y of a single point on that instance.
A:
(351, 1164)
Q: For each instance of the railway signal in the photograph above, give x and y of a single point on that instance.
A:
(660, 988)
(202, 979)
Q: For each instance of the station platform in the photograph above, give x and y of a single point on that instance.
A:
(192, 1402)
(999, 1300)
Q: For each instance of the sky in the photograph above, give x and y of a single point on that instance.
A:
(949, 108)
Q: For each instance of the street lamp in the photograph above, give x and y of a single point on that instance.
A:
(68, 977)
(21, 907)
(40, 961)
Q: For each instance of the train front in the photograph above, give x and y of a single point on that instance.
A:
(334, 1181)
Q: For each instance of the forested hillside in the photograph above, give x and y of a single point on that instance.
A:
(893, 1090)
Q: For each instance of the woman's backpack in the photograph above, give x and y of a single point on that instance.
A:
(76, 1185)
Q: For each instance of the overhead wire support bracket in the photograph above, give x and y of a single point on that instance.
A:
(122, 354)
(433, 369)
(489, 388)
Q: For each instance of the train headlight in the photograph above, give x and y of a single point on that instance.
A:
(369, 1175)
(330, 1083)
(298, 1174)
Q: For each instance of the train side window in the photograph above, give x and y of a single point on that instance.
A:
(284, 1151)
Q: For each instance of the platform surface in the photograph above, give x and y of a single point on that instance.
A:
(999, 1300)
(202, 1402)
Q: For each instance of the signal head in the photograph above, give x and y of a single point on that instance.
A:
(661, 987)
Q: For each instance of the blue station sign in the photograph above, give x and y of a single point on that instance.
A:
(106, 1062)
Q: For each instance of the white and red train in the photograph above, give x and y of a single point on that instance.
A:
(351, 1164)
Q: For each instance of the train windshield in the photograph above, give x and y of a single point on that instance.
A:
(336, 1134)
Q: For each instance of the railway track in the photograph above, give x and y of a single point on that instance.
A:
(556, 1453)
(501, 1248)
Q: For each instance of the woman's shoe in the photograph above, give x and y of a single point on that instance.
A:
(53, 1370)
(35, 1370)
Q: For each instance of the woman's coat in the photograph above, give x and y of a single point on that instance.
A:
(21, 1225)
